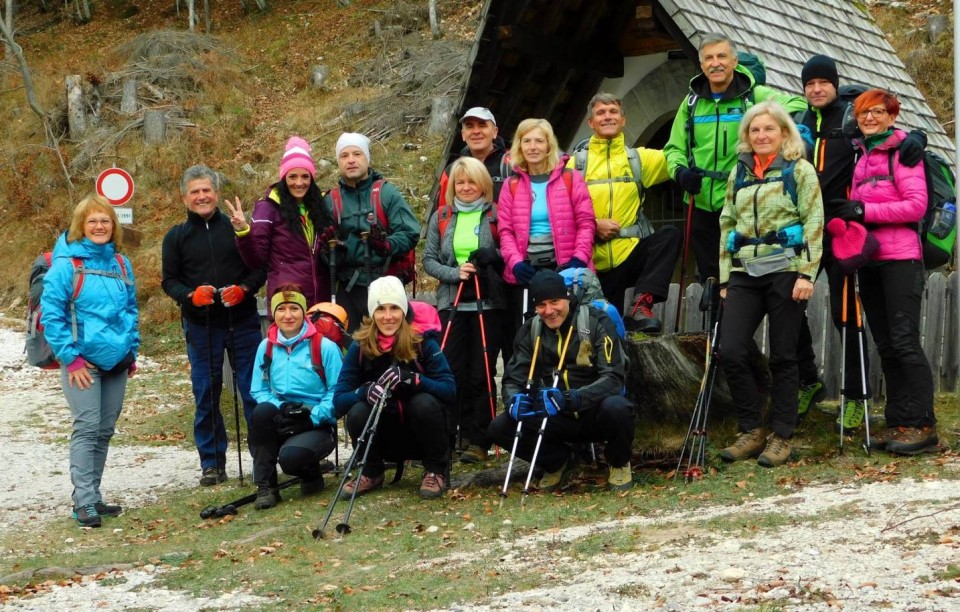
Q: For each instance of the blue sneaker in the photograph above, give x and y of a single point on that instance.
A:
(87, 516)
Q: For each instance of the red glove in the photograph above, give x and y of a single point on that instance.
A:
(231, 295)
(203, 295)
(378, 240)
(329, 234)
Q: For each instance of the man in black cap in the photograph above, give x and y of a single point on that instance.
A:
(833, 127)
(580, 396)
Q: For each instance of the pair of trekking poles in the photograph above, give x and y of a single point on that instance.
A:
(214, 407)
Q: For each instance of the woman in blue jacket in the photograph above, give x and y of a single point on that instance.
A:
(293, 380)
(89, 307)
(396, 354)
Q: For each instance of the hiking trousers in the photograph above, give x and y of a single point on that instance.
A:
(95, 412)
(648, 268)
(748, 300)
(299, 455)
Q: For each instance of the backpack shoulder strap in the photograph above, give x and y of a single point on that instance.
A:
(268, 352)
(444, 215)
(337, 199)
(376, 201)
(790, 181)
(692, 100)
(580, 153)
(568, 179)
(514, 181)
(506, 168)
(316, 356)
(78, 275)
(583, 330)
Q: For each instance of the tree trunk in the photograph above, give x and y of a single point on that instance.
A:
(207, 26)
(76, 107)
(441, 116)
(128, 103)
(434, 20)
(154, 127)
(191, 13)
(8, 22)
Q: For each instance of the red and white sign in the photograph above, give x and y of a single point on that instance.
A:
(116, 185)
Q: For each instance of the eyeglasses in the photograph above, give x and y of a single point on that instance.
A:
(96, 222)
(876, 113)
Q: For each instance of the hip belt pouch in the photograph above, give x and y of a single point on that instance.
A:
(540, 251)
(778, 261)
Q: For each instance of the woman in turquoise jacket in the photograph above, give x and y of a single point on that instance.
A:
(294, 374)
(89, 307)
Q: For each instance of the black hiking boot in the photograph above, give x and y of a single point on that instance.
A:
(108, 509)
(641, 317)
(211, 476)
(267, 497)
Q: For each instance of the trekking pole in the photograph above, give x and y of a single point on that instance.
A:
(366, 441)
(214, 409)
(843, 359)
(332, 244)
(453, 312)
(230, 508)
(683, 263)
(231, 353)
(543, 423)
(863, 374)
(516, 436)
(486, 356)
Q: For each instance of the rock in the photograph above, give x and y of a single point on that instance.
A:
(733, 574)
(937, 27)
(318, 76)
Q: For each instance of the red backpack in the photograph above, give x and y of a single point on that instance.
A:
(404, 266)
(445, 214)
(316, 357)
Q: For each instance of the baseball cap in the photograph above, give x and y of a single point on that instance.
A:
(479, 112)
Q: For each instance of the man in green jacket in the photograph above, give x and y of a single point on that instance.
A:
(702, 150)
(374, 225)
(626, 252)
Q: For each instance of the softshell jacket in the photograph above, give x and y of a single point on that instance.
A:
(572, 222)
(440, 262)
(431, 366)
(833, 154)
(358, 215)
(204, 252)
(106, 309)
(715, 125)
(284, 253)
(764, 207)
(891, 208)
(618, 200)
(602, 378)
(494, 164)
(292, 376)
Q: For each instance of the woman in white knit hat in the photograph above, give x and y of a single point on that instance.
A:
(396, 363)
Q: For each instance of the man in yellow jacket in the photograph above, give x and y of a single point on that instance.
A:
(627, 252)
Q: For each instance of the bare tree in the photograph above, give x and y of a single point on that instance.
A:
(7, 18)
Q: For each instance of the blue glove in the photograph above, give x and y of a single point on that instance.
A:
(523, 272)
(521, 407)
(690, 181)
(806, 135)
(791, 236)
(575, 263)
(912, 147)
(550, 401)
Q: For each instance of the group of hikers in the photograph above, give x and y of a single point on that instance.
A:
(515, 227)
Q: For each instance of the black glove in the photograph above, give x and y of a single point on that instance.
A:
(372, 392)
(849, 210)
(487, 256)
(523, 272)
(293, 418)
(396, 377)
(690, 181)
(574, 263)
(912, 147)
(378, 240)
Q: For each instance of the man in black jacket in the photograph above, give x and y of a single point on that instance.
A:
(216, 292)
(584, 403)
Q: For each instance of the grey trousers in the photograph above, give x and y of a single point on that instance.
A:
(95, 411)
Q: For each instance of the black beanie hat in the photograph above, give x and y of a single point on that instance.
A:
(547, 285)
(820, 67)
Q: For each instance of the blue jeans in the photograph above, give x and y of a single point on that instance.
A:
(95, 411)
(205, 349)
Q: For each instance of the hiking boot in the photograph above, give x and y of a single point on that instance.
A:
(87, 516)
(748, 445)
(432, 485)
(311, 487)
(267, 497)
(913, 441)
(641, 317)
(474, 454)
(367, 484)
(879, 440)
(620, 478)
(776, 453)
(810, 396)
(554, 481)
(852, 414)
(108, 509)
(211, 476)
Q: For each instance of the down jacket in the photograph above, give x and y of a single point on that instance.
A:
(572, 221)
(891, 208)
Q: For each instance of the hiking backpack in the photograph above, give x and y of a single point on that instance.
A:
(787, 177)
(580, 152)
(849, 128)
(37, 348)
(316, 354)
(445, 215)
(404, 266)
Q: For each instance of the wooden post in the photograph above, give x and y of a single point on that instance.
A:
(441, 116)
(128, 103)
(154, 127)
(76, 107)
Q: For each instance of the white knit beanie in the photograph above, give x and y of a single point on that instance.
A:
(386, 290)
(353, 139)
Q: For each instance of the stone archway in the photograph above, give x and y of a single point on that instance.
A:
(653, 102)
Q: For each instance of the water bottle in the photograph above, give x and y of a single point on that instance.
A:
(944, 220)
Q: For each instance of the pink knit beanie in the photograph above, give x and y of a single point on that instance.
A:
(852, 244)
(297, 155)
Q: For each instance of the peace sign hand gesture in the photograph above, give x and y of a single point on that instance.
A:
(237, 218)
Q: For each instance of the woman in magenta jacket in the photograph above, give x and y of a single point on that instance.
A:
(545, 213)
(890, 199)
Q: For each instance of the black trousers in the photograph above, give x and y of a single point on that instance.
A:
(748, 300)
(299, 455)
(418, 432)
(465, 350)
(648, 268)
(611, 422)
(853, 388)
(355, 303)
(891, 294)
(705, 242)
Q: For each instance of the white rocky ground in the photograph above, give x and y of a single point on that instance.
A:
(881, 545)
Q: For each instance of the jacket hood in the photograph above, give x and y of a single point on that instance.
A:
(742, 83)
(365, 183)
(499, 144)
(83, 249)
(892, 142)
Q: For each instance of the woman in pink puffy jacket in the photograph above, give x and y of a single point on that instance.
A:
(545, 213)
(890, 199)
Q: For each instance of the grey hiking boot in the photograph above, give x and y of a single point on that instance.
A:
(433, 485)
(748, 445)
(852, 415)
(641, 317)
(211, 476)
(620, 478)
(554, 481)
(87, 516)
(267, 497)
(810, 396)
(913, 441)
(776, 453)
